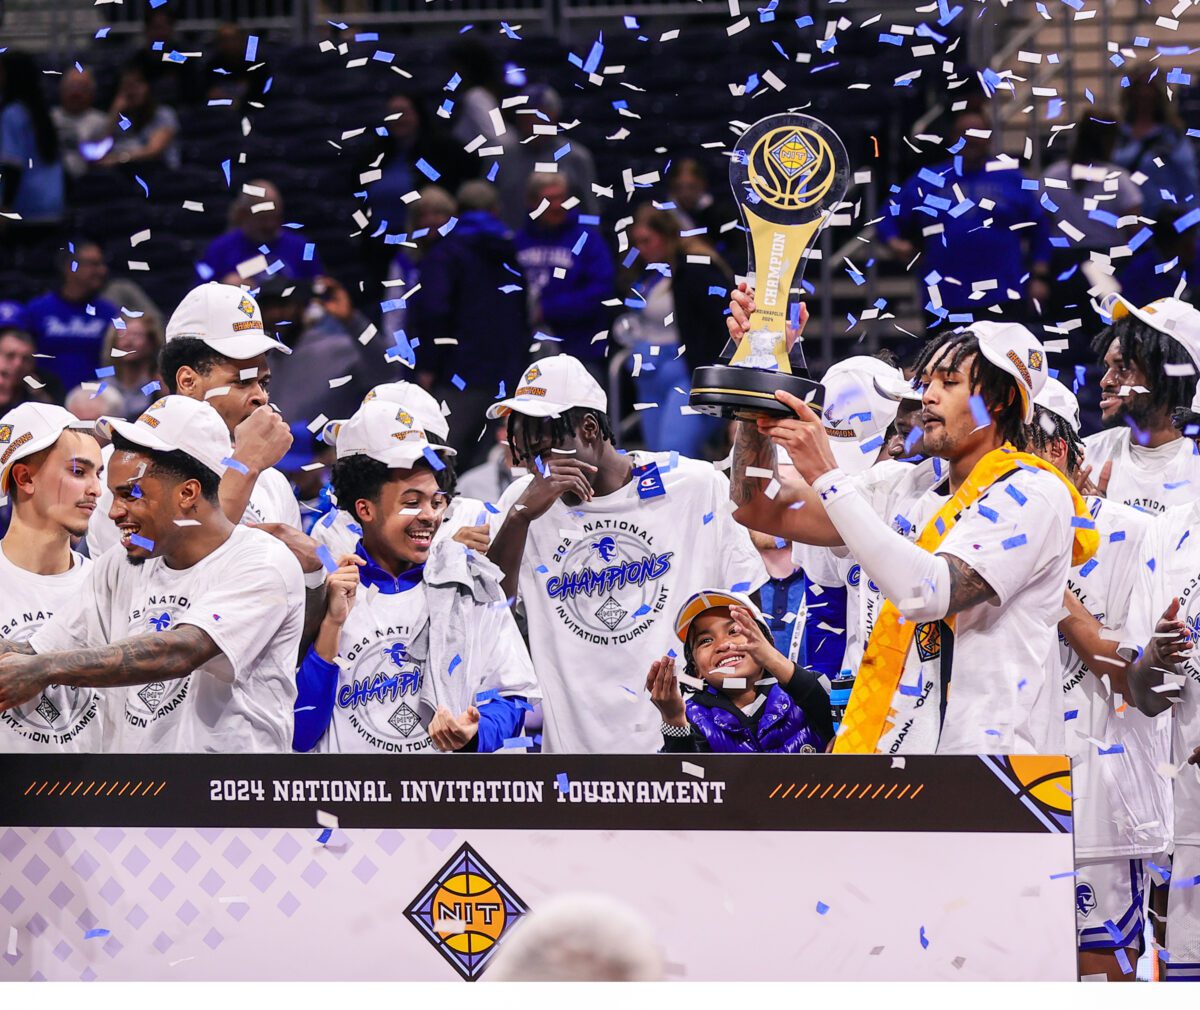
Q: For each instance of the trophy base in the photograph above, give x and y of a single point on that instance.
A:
(745, 393)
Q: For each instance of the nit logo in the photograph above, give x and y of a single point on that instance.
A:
(6, 431)
(465, 911)
(533, 374)
(1085, 898)
(1035, 359)
(246, 307)
(404, 417)
(606, 547)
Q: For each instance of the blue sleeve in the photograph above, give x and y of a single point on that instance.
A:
(316, 688)
(824, 649)
(499, 720)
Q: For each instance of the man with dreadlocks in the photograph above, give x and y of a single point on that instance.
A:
(1150, 356)
(1122, 804)
(603, 547)
(972, 602)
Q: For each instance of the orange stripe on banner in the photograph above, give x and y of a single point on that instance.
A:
(39, 792)
(800, 792)
(864, 792)
(63, 790)
(149, 786)
(827, 788)
(102, 785)
(917, 790)
(160, 789)
(879, 790)
(124, 787)
(77, 788)
(903, 791)
(850, 794)
(892, 790)
(138, 786)
(788, 790)
(838, 793)
(110, 789)
(775, 790)
(31, 785)
(814, 789)
(89, 788)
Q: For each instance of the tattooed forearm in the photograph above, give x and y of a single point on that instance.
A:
(750, 449)
(967, 587)
(142, 659)
(22, 647)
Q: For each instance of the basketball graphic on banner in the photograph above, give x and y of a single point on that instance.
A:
(475, 908)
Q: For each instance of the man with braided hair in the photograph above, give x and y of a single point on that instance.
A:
(603, 547)
(1150, 356)
(1122, 804)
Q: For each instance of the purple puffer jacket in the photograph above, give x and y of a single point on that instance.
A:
(782, 727)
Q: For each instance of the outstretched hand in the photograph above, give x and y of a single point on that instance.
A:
(741, 308)
(802, 438)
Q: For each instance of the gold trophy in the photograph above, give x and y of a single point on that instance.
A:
(788, 172)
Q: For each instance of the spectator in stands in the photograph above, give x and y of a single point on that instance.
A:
(231, 74)
(426, 217)
(81, 126)
(569, 271)
(132, 352)
(17, 362)
(471, 316)
(29, 156)
(696, 207)
(544, 109)
(256, 220)
(986, 249)
(176, 82)
(479, 93)
(320, 325)
(70, 322)
(1153, 143)
(142, 129)
(682, 310)
(1141, 276)
(91, 404)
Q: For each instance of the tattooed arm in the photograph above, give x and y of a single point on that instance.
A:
(967, 587)
(23, 648)
(142, 659)
(807, 523)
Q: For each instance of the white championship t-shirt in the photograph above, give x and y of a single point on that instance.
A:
(1171, 568)
(248, 596)
(60, 719)
(1150, 479)
(1122, 805)
(1018, 538)
(271, 501)
(602, 584)
(340, 533)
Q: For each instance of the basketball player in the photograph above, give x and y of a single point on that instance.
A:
(418, 647)
(1121, 803)
(195, 621)
(1150, 357)
(50, 469)
(973, 599)
(465, 519)
(603, 546)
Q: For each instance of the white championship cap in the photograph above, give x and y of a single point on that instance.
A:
(1172, 316)
(856, 413)
(226, 318)
(424, 408)
(552, 386)
(1056, 398)
(30, 428)
(177, 423)
(1014, 349)
(706, 599)
(386, 433)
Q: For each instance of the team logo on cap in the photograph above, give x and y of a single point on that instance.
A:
(929, 641)
(533, 373)
(246, 306)
(147, 417)
(1035, 359)
(1020, 366)
(6, 431)
(404, 417)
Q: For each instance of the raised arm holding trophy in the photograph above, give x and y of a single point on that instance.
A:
(788, 172)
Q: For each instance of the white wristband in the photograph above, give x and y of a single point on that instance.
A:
(315, 580)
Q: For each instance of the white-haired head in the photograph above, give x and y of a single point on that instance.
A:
(580, 938)
(88, 404)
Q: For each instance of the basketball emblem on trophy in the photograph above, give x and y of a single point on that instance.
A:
(788, 172)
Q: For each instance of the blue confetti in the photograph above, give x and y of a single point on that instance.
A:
(454, 663)
(1184, 222)
(326, 558)
(1088, 568)
(1083, 523)
(458, 382)
(251, 48)
(1018, 541)
(325, 835)
(431, 458)
(428, 170)
(822, 908)
(142, 542)
(142, 182)
(151, 387)
(924, 939)
(233, 464)
(1114, 749)
(564, 783)
(516, 743)
(643, 609)
(92, 934)
(708, 517)
(1015, 494)
(486, 696)
(1059, 876)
